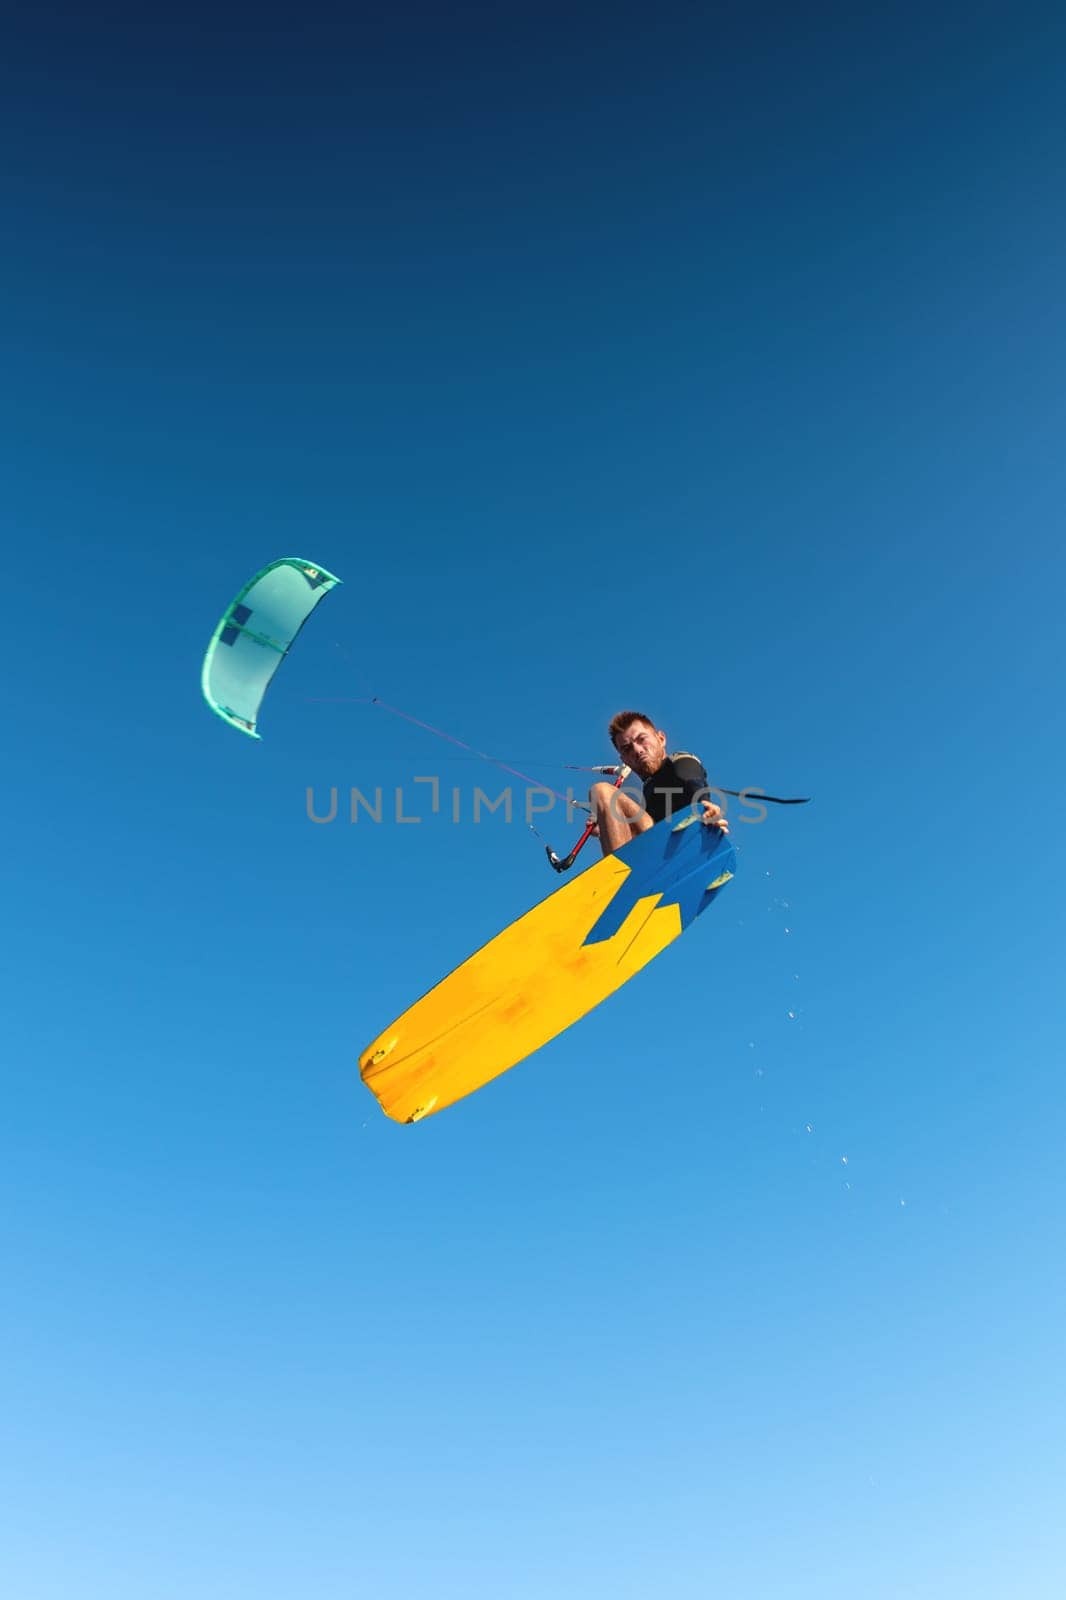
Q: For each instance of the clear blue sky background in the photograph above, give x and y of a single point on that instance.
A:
(703, 358)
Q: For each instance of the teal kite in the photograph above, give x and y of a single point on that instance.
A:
(255, 635)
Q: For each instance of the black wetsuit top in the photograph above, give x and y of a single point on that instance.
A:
(679, 781)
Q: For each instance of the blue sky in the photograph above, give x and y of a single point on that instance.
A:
(709, 362)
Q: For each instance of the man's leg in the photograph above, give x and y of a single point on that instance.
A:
(618, 816)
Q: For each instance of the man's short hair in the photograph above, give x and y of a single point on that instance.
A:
(621, 721)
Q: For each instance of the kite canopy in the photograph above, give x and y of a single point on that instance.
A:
(254, 636)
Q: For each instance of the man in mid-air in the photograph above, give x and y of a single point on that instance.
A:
(671, 782)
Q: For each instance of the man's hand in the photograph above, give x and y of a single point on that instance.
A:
(711, 816)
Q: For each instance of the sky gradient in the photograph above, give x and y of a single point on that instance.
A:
(708, 362)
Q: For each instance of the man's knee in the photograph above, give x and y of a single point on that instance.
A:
(608, 800)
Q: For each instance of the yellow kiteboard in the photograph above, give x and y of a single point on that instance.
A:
(548, 969)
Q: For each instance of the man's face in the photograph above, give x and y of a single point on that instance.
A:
(642, 747)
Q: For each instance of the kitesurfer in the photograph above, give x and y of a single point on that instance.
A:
(670, 782)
